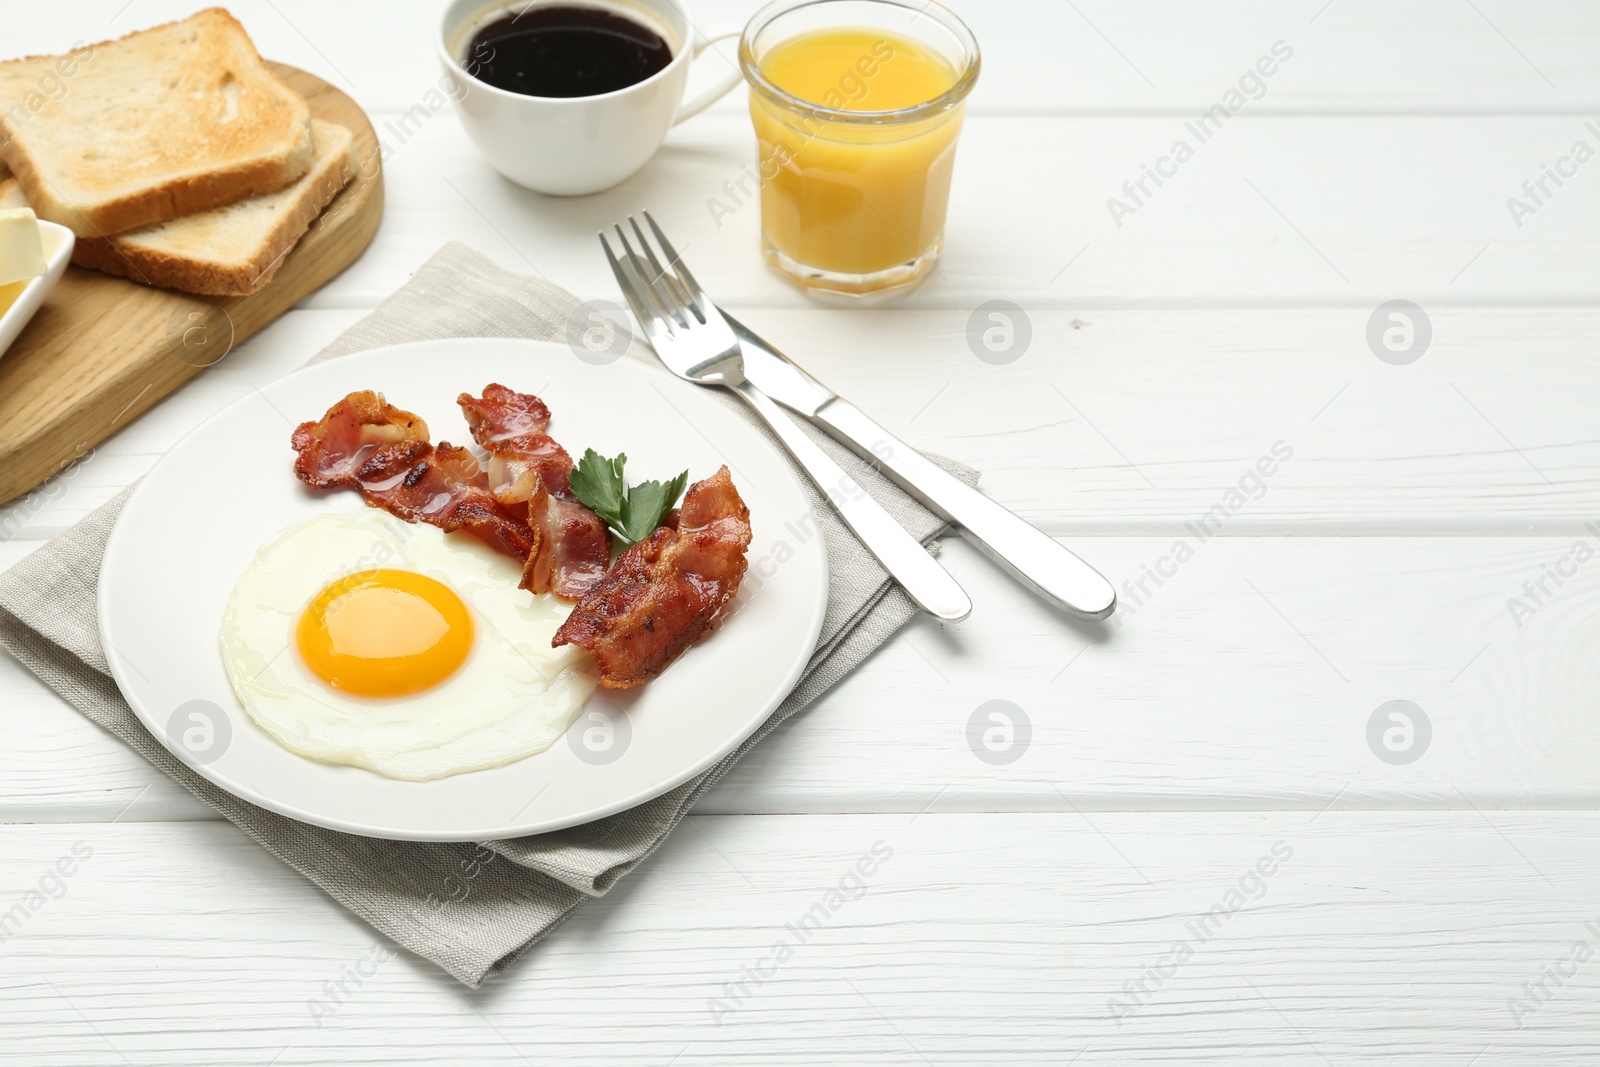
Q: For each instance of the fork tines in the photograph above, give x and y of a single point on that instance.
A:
(671, 297)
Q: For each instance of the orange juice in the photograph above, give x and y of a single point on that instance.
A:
(860, 196)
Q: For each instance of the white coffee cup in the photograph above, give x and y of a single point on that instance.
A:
(569, 146)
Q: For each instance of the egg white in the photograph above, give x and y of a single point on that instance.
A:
(513, 697)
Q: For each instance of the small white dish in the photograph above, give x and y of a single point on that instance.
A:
(58, 242)
(178, 547)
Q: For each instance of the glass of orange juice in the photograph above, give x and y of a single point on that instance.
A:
(857, 105)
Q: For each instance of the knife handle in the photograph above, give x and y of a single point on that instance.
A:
(923, 579)
(1033, 556)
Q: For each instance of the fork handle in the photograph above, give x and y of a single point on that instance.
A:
(1030, 554)
(927, 583)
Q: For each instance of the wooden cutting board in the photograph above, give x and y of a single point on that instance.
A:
(102, 350)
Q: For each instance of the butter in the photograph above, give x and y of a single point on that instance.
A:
(21, 250)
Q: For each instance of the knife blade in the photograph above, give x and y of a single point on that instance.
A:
(1042, 563)
(779, 376)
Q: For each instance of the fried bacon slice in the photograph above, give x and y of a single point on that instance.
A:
(330, 452)
(529, 475)
(367, 444)
(574, 548)
(666, 592)
(501, 414)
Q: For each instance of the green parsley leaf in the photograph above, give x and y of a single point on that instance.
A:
(632, 514)
(647, 504)
(597, 482)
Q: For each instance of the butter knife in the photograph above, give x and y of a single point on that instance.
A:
(1029, 554)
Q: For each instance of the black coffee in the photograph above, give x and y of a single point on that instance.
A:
(565, 51)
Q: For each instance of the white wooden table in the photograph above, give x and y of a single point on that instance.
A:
(1053, 909)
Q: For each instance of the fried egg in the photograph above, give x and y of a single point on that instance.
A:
(360, 639)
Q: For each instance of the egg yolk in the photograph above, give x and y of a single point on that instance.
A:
(384, 633)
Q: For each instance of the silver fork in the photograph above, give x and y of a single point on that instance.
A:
(696, 343)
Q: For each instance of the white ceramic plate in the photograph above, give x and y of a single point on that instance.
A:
(197, 519)
(58, 242)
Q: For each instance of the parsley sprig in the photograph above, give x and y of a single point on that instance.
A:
(632, 514)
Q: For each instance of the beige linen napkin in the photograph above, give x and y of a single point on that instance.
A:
(470, 908)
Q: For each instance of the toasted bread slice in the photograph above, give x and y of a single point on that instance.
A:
(228, 251)
(161, 123)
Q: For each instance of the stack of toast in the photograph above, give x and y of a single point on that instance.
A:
(174, 154)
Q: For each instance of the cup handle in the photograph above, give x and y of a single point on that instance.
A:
(717, 91)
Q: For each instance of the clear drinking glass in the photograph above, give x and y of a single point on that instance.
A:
(857, 105)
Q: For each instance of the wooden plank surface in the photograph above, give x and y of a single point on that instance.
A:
(1275, 209)
(1138, 421)
(1044, 56)
(1344, 938)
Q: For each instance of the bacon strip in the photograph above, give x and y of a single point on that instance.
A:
(367, 444)
(529, 474)
(502, 413)
(330, 452)
(666, 592)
